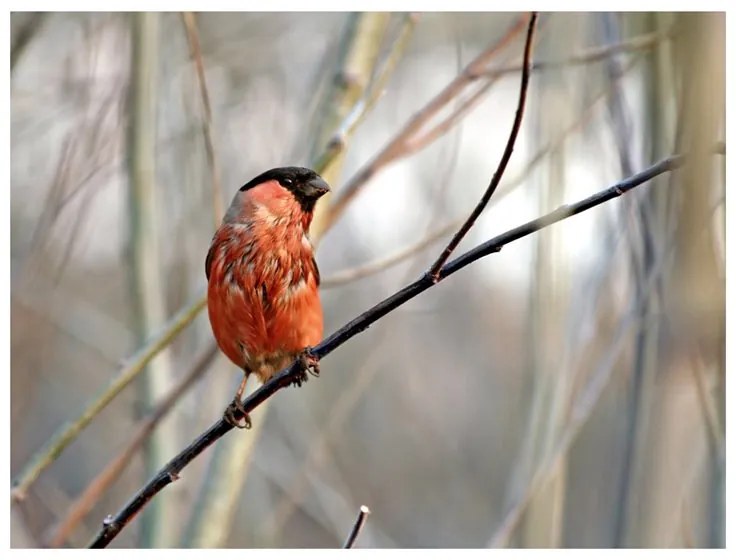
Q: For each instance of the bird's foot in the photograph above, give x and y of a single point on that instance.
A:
(309, 363)
(231, 418)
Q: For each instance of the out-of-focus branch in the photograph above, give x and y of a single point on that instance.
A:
(399, 146)
(289, 375)
(716, 434)
(190, 24)
(344, 105)
(379, 265)
(637, 44)
(23, 36)
(498, 174)
(584, 407)
(357, 526)
(95, 489)
(129, 371)
(338, 140)
(146, 286)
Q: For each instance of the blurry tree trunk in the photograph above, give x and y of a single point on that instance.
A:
(692, 290)
(149, 295)
(697, 291)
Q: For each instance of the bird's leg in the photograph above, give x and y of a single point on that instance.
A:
(309, 363)
(237, 406)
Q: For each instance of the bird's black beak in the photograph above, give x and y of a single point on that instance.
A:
(316, 188)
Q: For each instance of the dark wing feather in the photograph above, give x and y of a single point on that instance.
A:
(208, 260)
(316, 270)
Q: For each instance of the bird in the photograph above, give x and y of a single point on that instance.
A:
(263, 281)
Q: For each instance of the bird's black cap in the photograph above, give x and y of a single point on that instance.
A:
(306, 185)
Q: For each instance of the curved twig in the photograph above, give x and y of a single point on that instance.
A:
(496, 179)
(195, 50)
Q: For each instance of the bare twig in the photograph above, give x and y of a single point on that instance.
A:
(94, 490)
(286, 377)
(190, 24)
(496, 179)
(357, 527)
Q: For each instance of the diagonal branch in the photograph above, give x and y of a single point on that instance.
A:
(195, 50)
(496, 179)
(169, 473)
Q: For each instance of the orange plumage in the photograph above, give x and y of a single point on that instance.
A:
(262, 294)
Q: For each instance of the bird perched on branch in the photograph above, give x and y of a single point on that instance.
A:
(262, 294)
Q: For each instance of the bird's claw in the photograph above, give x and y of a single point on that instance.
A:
(230, 417)
(309, 363)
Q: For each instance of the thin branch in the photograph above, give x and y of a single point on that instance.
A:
(128, 372)
(95, 489)
(289, 375)
(596, 54)
(397, 147)
(379, 265)
(190, 24)
(357, 527)
(496, 179)
(417, 143)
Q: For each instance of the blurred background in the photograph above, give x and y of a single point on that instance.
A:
(566, 392)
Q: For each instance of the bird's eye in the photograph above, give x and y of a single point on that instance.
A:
(287, 182)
